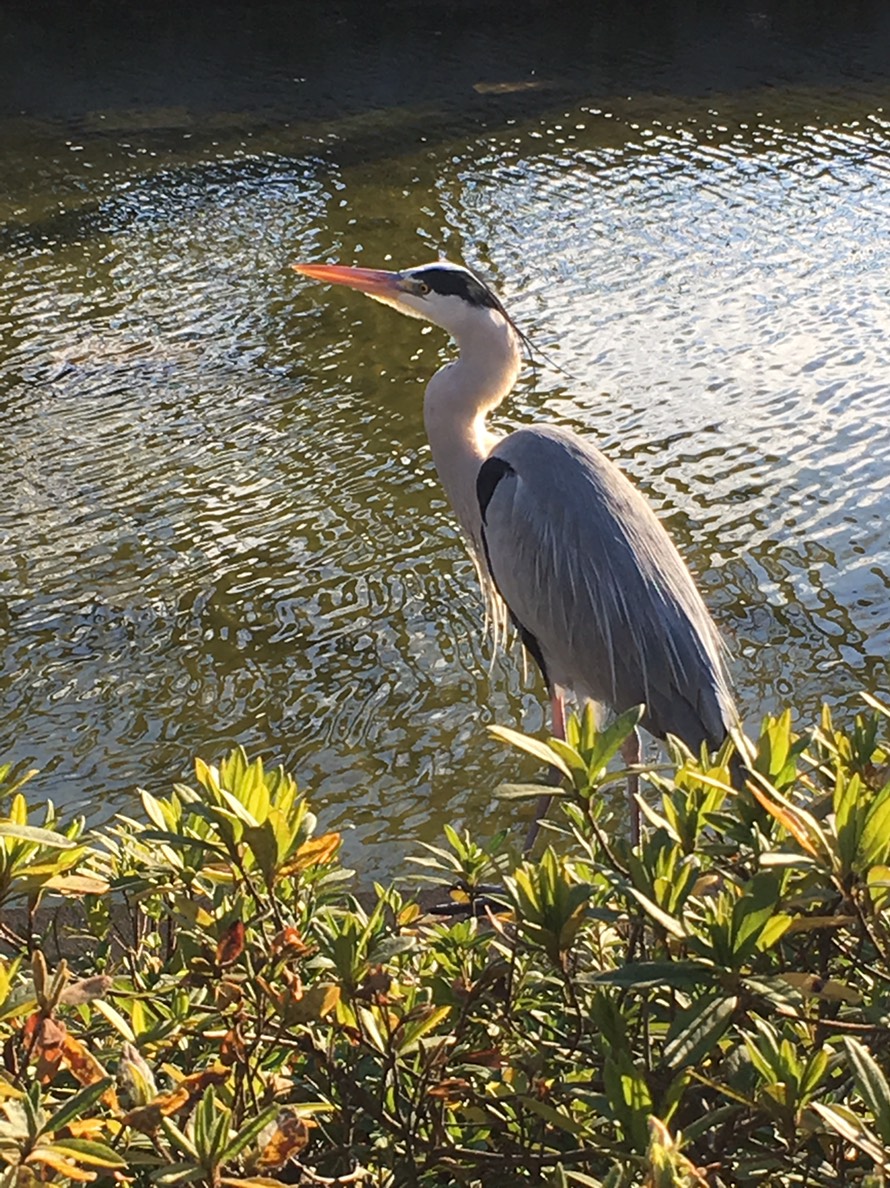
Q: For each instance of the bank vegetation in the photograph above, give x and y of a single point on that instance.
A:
(200, 994)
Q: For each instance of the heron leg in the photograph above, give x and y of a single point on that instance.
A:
(558, 728)
(631, 751)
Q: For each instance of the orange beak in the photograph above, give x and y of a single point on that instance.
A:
(375, 282)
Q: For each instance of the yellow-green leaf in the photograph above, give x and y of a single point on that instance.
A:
(532, 746)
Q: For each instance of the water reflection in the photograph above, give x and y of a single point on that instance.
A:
(218, 517)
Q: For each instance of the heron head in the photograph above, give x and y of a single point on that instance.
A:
(446, 294)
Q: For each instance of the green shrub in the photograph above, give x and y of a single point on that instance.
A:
(711, 1007)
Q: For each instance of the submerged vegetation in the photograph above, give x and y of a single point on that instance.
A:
(712, 1007)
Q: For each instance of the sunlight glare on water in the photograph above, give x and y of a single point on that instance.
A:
(219, 521)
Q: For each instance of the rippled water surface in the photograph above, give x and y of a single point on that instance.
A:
(219, 520)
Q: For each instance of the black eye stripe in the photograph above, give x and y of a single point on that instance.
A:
(458, 282)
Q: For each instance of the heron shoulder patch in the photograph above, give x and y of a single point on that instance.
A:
(491, 472)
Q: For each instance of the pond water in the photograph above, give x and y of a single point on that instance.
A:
(219, 521)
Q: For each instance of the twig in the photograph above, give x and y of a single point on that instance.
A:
(354, 1177)
(11, 937)
(838, 1024)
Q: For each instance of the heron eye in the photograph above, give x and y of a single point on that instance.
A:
(421, 288)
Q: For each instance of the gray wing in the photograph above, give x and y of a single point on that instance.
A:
(596, 587)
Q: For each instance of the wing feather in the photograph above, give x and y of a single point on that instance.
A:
(585, 566)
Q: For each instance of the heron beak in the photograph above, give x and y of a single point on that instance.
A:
(375, 282)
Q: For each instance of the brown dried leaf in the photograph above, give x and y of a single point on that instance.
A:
(486, 1057)
(706, 884)
(231, 946)
(313, 1004)
(290, 1136)
(316, 852)
(31, 1026)
(232, 1049)
(376, 985)
(196, 1083)
(271, 993)
(44, 1040)
(450, 1091)
(147, 1118)
(85, 1068)
(290, 941)
(86, 990)
(227, 994)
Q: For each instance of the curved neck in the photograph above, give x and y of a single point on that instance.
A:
(457, 401)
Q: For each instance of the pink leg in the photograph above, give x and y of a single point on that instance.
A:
(630, 750)
(558, 726)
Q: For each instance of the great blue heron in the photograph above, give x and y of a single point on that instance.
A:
(564, 543)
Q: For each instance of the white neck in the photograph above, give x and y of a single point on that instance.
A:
(457, 400)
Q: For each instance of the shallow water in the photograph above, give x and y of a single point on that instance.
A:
(219, 520)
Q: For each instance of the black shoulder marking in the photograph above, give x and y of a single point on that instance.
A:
(490, 474)
(458, 282)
